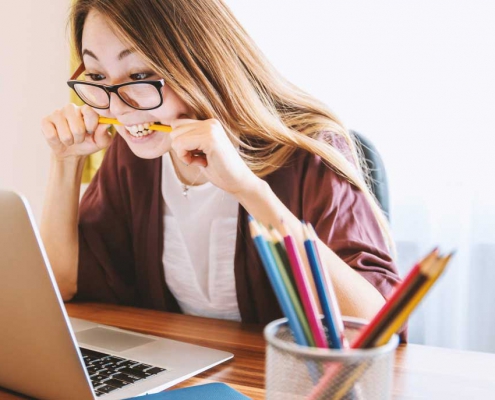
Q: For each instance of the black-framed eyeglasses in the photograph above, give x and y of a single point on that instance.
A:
(141, 95)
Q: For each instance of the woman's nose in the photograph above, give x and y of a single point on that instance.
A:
(117, 106)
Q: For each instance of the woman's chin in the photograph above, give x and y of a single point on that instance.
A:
(147, 146)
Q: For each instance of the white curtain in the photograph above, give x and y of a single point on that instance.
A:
(418, 79)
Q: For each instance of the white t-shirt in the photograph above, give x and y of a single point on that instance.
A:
(199, 246)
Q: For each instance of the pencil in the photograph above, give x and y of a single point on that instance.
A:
(327, 287)
(278, 241)
(304, 288)
(434, 273)
(370, 332)
(276, 282)
(153, 127)
(289, 287)
(432, 267)
(321, 290)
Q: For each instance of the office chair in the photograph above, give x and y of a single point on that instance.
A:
(379, 182)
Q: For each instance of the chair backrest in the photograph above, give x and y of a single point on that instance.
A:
(379, 182)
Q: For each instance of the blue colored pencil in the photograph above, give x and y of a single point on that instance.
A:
(331, 322)
(277, 283)
(328, 283)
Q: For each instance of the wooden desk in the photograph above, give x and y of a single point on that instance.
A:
(421, 372)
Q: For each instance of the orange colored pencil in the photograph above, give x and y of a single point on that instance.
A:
(414, 278)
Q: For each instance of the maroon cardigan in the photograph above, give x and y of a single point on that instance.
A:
(121, 233)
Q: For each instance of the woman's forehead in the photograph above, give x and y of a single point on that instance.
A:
(100, 42)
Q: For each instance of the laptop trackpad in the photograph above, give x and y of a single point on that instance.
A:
(110, 339)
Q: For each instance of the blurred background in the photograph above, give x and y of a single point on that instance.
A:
(417, 78)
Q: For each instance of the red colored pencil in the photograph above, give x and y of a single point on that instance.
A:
(368, 333)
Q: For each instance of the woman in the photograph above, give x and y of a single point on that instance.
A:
(164, 222)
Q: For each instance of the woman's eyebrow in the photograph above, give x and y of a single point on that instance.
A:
(125, 53)
(89, 53)
(122, 54)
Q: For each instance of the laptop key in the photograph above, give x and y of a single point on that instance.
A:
(155, 370)
(96, 379)
(126, 363)
(125, 377)
(134, 372)
(106, 388)
(115, 359)
(140, 367)
(101, 363)
(116, 383)
(91, 353)
(92, 370)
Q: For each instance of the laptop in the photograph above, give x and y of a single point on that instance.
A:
(45, 354)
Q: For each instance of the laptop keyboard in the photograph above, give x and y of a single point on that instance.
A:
(109, 373)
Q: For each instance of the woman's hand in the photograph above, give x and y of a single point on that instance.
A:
(74, 132)
(221, 163)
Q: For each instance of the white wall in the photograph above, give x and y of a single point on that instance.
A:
(33, 70)
(418, 78)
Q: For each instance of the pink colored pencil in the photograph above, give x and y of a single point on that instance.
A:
(305, 292)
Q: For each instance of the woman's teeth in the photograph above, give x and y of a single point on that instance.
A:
(139, 130)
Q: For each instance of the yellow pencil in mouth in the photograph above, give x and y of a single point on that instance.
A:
(153, 127)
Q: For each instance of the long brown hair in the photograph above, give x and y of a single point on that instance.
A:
(209, 60)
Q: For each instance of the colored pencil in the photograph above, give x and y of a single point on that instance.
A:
(433, 273)
(289, 287)
(153, 127)
(278, 241)
(370, 332)
(277, 283)
(432, 266)
(304, 288)
(327, 289)
(322, 291)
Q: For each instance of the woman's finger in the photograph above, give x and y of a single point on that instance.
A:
(75, 122)
(102, 137)
(90, 117)
(51, 135)
(63, 129)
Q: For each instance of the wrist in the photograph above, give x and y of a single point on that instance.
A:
(67, 169)
(251, 190)
(72, 161)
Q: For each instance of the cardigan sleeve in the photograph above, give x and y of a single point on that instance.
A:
(344, 220)
(106, 262)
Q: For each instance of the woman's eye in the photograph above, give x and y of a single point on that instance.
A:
(140, 76)
(95, 77)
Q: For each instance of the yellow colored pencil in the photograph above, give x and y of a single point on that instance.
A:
(154, 127)
(435, 271)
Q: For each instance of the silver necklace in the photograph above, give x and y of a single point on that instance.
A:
(185, 188)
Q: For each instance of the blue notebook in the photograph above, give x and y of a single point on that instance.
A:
(209, 391)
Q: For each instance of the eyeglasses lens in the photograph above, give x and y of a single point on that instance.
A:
(92, 95)
(141, 96)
